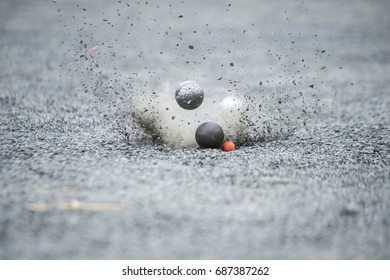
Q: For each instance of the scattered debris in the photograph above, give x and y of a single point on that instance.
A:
(94, 48)
(352, 209)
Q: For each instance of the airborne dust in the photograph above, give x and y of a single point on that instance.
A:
(257, 83)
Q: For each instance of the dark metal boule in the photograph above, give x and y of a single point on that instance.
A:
(189, 95)
(209, 135)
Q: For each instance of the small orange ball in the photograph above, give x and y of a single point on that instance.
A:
(228, 146)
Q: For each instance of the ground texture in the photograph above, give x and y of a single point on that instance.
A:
(73, 187)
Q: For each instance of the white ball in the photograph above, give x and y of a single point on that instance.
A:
(231, 104)
(231, 116)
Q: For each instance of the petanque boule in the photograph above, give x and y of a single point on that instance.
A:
(189, 95)
(209, 135)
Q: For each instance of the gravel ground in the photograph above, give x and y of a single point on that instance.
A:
(77, 182)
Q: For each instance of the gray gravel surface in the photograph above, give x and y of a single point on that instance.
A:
(320, 190)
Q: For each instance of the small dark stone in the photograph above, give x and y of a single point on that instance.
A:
(352, 209)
